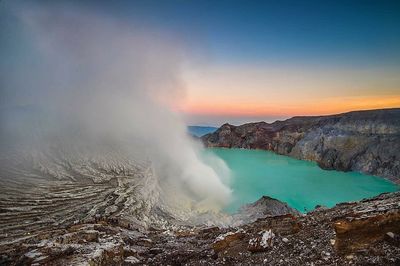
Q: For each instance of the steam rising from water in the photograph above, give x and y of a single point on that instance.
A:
(101, 87)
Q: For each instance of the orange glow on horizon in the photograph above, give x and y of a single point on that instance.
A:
(287, 90)
(321, 107)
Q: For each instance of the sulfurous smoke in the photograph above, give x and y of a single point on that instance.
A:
(84, 85)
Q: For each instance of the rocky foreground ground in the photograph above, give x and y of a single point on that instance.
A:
(356, 233)
(363, 141)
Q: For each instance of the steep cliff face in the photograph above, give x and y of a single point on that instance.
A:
(365, 141)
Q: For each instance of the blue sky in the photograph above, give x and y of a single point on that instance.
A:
(315, 31)
(352, 44)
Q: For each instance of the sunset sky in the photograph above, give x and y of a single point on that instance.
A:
(267, 60)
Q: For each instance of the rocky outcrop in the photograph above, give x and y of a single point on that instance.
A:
(365, 141)
(265, 206)
(378, 222)
(356, 233)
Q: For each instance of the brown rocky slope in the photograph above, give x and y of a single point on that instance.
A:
(365, 141)
(358, 233)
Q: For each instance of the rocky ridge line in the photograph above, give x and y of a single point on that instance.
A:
(364, 141)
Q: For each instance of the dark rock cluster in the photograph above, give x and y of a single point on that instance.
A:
(365, 141)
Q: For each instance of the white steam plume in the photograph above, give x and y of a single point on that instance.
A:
(97, 80)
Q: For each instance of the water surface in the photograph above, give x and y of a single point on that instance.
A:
(302, 184)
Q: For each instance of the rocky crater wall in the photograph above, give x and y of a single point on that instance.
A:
(364, 141)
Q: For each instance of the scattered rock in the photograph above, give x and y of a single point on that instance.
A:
(306, 240)
(390, 234)
(224, 241)
(108, 254)
(131, 260)
(359, 231)
(80, 237)
(392, 238)
(262, 242)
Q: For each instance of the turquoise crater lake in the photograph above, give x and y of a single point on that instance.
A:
(302, 184)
